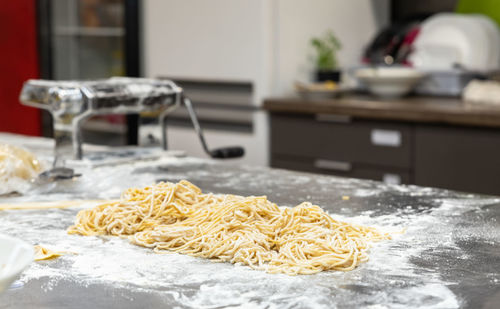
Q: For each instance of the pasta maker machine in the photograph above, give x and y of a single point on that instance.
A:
(72, 102)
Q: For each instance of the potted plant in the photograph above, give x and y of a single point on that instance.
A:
(326, 61)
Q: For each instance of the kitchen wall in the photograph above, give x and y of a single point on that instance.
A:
(261, 42)
(354, 22)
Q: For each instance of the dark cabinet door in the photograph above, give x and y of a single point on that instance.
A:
(465, 159)
(331, 144)
(352, 142)
(390, 175)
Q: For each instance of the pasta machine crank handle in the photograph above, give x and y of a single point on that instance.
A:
(218, 153)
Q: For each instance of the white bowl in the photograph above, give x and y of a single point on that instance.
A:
(15, 256)
(389, 82)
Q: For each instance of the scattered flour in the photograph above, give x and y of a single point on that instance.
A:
(390, 279)
(200, 283)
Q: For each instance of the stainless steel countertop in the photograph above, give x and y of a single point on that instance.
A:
(449, 256)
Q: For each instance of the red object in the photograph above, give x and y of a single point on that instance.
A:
(408, 41)
(18, 62)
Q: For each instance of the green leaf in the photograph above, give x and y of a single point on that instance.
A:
(326, 48)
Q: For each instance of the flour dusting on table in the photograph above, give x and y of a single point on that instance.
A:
(447, 234)
(198, 282)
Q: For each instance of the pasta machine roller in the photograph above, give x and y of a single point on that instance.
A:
(72, 102)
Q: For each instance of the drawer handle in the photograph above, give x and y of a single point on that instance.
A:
(333, 165)
(391, 179)
(390, 138)
(333, 118)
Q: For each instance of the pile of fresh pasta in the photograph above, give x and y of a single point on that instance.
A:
(253, 231)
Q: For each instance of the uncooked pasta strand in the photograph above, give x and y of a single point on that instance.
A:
(42, 253)
(253, 231)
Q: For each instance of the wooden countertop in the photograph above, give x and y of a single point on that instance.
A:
(412, 109)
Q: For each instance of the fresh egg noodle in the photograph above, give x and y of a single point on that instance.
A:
(42, 253)
(253, 231)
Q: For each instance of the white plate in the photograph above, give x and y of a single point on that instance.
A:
(15, 256)
(462, 37)
(493, 33)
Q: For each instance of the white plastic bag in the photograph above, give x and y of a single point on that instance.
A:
(18, 167)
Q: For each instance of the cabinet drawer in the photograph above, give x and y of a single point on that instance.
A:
(391, 175)
(324, 136)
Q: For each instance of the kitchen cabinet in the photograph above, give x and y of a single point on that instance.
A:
(449, 145)
(343, 146)
(466, 159)
(355, 141)
(390, 175)
(332, 145)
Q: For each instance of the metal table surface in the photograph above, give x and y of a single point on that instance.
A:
(448, 257)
